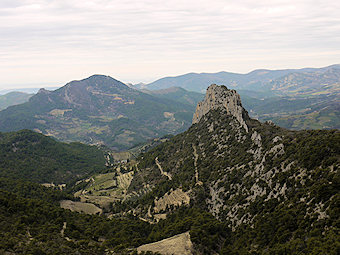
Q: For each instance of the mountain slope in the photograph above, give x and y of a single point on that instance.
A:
(177, 94)
(13, 98)
(98, 109)
(296, 113)
(276, 189)
(319, 82)
(295, 94)
(35, 157)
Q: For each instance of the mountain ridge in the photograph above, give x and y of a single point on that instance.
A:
(253, 80)
(98, 110)
(264, 190)
(273, 187)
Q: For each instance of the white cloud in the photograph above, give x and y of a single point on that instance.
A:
(60, 40)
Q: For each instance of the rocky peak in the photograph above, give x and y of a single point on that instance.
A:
(44, 91)
(220, 97)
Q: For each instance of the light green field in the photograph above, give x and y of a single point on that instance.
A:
(104, 189)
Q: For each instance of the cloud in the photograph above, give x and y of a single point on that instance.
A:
(58, 40)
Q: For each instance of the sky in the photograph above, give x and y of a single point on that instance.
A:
(51, 42)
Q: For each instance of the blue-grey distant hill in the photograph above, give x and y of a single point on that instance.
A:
(177, 94)
(307, 98)
(26, 90)
(257, 80)
(13, 98)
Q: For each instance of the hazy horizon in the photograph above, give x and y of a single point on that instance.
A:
(54, 85)
(54, 42)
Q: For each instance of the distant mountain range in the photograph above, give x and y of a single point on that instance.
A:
(26, 90)
(120, 116)
(13, 98)
(307, 98)
(263, 80)
(177, 94)
(99, 110)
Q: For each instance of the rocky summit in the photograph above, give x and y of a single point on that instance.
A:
(220, 97)
(273, 188)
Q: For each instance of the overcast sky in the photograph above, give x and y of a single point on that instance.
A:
(50, 42)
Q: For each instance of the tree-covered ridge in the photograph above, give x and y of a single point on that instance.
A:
(35, 157)
(177, 94)
(31, 190)
(277, 189)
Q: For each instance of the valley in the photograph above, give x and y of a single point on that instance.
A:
(98, 110)
(228, 183)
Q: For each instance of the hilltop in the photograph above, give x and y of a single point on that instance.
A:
(98, 110)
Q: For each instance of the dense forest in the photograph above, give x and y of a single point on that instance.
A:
(301, 218)
(33, 223)
(31, 156)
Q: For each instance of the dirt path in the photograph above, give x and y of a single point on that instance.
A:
(198, 182)
(161, 169)
(63, 229)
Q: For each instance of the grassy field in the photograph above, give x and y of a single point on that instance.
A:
(104, 189)
(87, 208)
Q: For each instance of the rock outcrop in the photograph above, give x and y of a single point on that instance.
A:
(220, 97)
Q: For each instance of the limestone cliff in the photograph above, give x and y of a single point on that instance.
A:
(220, 97)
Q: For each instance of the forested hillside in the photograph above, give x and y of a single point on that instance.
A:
(276, 189)
(236, 185)
(31, 156)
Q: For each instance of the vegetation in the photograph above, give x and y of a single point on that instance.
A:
(265, 190)
(35, 157)
(296, 205)
(34, 225)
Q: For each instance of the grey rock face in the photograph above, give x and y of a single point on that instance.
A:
(220, 97)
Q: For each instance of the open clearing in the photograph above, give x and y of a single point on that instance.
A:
(176, 245)
(80, 207)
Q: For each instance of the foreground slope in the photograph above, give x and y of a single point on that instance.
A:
(35, 157)
(98, 109)
(276, 189)
(33, 223)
